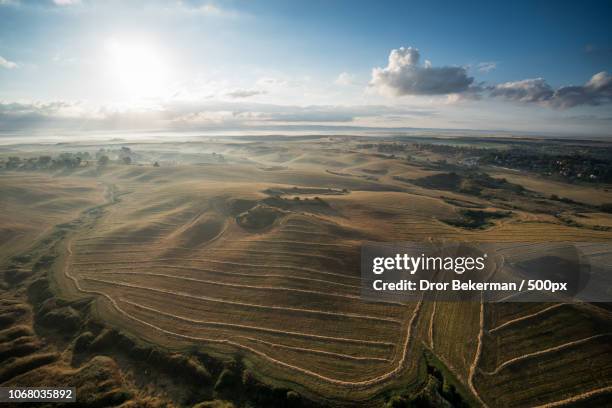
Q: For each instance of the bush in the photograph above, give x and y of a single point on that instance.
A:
(293, 398)
(83, 341)
(103, 160)
(38, 291)
(66, 319)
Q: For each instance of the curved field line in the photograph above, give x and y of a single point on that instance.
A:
(116, 251)
(477, 354)
(214, 271)
(431, 326)
(294, 232)
(244, 304)
(298, 229)
(209, 250)
(317, 351)
(293, 268)
(447, 364)
(512, 295)
(298, 242)
(239, 285)
(290, 267)
(234, 285)
(577, 398)
(293, 254)
(106, 243)
(545, 351)
(526, 317)
(258, 328)
(351, 384)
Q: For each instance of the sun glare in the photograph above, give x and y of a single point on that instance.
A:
(137, 67)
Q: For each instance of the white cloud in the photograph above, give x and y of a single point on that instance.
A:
(486, 67)
(208, 9)
(271, 81)
(527, 90)
(405, 76)
(66, 2)
(4, 63)
(244, 93)
(66, 115)
(345, 79)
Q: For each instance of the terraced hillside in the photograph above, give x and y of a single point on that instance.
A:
(288, 292)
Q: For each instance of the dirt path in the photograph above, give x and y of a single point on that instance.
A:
(545, 351)
(577, 398)
(520, 319)
(474, 365)
(431, 326)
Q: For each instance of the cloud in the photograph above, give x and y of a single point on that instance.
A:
(245, 93)
(271, 81)
(345, 79)
(208, 9)
(196, 115)
(405, 76)
(257, 115)
(66, 2)
(40, 3)
(486, 67)
(527, 90)
(4, 63)
(597, 91)
(27, 115)
(312, 114)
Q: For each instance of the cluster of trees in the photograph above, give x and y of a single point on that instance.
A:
(384, 147)
(68, 160)
(124, 155)
(63, 161)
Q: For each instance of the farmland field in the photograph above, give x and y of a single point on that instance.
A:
(236, 261)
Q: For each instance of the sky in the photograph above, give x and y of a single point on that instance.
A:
(71, 66)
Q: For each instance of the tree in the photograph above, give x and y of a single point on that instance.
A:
(13, 162)
(103, 160)
(156, 164)
(44, 160)
(127, 160)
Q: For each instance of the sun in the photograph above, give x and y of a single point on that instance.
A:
(137, 67)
